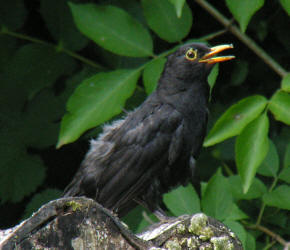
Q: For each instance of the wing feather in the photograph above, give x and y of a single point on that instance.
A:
(123, 161)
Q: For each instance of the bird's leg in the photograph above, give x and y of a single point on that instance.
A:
(161, 215)
(156, 210)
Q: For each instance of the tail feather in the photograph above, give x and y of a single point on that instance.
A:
(74, 188)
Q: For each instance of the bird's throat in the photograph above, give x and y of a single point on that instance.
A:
(186, 97)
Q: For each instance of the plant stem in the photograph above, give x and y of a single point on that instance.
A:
(228, 170)
(263, 204)
(5, 31)
(267, 231)
(261, 213)
(243, 37)
(81, 58)
(213, 35)
(268, 246)
(87, 61)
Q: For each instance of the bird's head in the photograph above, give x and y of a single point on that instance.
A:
(194, 61)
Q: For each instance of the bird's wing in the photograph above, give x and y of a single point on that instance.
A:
(144, 144)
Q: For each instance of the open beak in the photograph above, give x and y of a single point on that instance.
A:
(210, 58)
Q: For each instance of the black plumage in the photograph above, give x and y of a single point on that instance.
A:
(153, 149)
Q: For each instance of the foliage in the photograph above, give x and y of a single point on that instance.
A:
(95, 60)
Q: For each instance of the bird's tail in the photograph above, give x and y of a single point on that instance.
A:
(74, 188)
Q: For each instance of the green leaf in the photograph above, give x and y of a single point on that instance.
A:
(286, 5)
(244, 10)
(178, 4)
(250, 242)
(59, 21)
(212, 77)
(20, 175)
(279, 219)
(41, 113)
(286, 162)
(239, 73)
(285, 175)
(236, 213)
(136, 221)
(238, 229)
(256, 190)
(279, 197)
(225, 151)
(182, 200)
(270, 165)
(114, 61)
(152, 73)
(203, 186)
(233, 121)
(251, 149)
(13, 14)
(40, 199)
(217, 206)
(113, 29)
(280, 106)
(162, 19)
(34, 67)
(8, 45)
(95, 101)
(285, 85)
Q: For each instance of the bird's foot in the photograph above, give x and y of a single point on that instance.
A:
(162, 216)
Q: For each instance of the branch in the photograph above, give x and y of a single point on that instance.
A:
(81, 223)
(267, 231)
(243, 37)
(5, 31)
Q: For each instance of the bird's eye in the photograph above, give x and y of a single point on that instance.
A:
(191, 54)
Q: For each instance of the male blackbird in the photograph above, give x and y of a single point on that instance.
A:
(153, 149)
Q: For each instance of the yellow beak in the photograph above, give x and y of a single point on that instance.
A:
(208, 58)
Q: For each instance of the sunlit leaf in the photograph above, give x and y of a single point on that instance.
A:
(280, 106)
(250, 242)
(279, 197)
(238, 229)
(152, 73)
(217, 206)
(138, 219)
(236, 213)
(244, 10)
(251, 149)
(113, 29)
(286, 5)
(285, 175)
(270, 165)
(162, 19)
(285, 85)
(203, 186)
(178, 4)
(233, 121)
(286, 162)
(182, 200)
(95, 101)
(256, 190)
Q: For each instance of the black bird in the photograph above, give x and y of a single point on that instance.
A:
(153, 149)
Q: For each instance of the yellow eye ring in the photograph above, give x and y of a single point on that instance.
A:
(191, 54)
